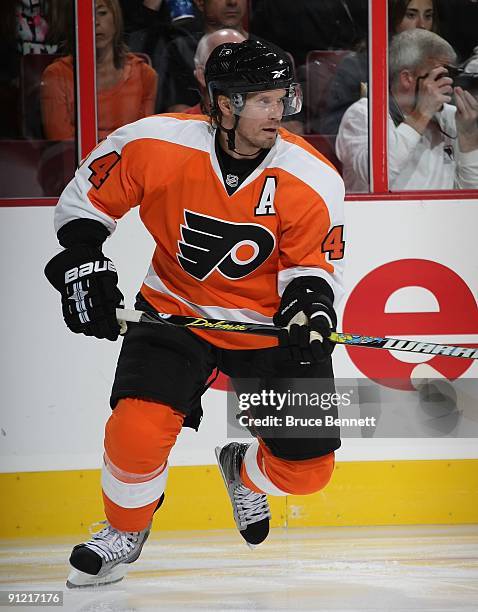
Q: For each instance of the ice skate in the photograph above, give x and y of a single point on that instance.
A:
(106, 557)
(251, 510)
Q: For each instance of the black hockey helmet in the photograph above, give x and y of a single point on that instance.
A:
(235, 69)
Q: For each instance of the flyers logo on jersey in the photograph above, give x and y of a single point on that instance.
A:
(233, 249)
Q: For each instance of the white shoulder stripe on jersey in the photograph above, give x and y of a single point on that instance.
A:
(323, 179)
(315, 173)
(191, 133)
(212, 312)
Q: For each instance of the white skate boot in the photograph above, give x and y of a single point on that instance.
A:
(251, 509)
(106, 557)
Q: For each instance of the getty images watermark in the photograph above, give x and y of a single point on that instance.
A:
(300, 408)
(282, 402)
(352, 408)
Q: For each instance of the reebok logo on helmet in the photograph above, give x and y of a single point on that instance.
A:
(277, 74)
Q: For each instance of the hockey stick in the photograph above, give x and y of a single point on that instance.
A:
(242, 327)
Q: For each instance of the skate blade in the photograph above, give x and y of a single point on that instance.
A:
(78, 579)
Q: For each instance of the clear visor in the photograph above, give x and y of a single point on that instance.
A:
(272, 104)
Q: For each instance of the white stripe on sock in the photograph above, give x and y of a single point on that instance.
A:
(261, 481)
(133, 495)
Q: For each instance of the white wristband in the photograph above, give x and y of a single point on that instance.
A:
(322, 313)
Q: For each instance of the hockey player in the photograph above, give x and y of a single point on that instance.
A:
(248, 223)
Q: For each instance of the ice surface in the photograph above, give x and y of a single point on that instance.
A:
(420, 568)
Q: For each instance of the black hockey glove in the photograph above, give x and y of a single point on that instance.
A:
(306, 306)
(87, 281)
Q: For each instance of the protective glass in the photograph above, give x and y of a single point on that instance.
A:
(263, 104)
(462, 77)
(38, 99)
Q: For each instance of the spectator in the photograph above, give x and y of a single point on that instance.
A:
(39, 25)
(145, 22)
(148, 27)
(350, 81)
(126, 84)
(432, 145)
(205, 47)
(409, 14)
(179, 90)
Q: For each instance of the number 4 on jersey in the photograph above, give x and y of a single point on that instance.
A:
(333, 243)
(101, 168)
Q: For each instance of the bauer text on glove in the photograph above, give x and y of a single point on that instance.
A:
(87, 281)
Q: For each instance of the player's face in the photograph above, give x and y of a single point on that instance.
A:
(260, 119)
(104, 25)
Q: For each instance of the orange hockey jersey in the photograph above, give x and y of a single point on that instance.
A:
(217, 256)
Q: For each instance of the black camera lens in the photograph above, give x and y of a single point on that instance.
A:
(453, 71)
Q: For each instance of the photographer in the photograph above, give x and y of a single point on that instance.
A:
(432, 144)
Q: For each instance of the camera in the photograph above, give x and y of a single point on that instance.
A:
(465, 80)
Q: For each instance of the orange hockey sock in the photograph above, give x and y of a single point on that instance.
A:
(263, 472)
(139, 436)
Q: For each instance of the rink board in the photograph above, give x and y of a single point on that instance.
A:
(416, 277)
(360, 493)
(411, 272)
